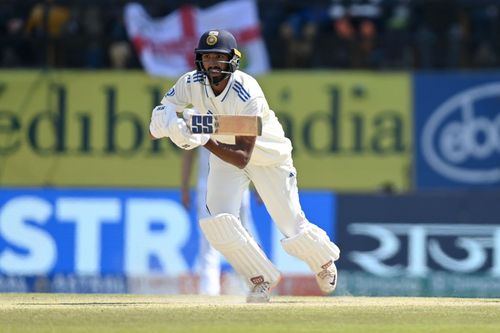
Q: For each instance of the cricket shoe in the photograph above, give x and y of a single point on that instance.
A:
(261, 290)
(260, 293)
(327, 278)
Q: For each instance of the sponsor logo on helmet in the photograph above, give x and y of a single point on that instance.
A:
(461, 139)
(212, 38)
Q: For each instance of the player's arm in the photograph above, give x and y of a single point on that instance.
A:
(238, 154)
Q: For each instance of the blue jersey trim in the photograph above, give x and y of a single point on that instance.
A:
(197, 77)
(242, 93)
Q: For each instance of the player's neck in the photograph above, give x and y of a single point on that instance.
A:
(218, 88)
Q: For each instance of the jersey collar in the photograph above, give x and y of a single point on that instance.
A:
(210, 93)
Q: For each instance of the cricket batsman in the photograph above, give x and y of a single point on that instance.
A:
(218, 87)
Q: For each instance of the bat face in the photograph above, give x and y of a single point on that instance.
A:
(226, 125)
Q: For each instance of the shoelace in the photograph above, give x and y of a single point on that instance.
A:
(326, 273)
(261, 287)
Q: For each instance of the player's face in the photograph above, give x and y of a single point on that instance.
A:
(215, 63)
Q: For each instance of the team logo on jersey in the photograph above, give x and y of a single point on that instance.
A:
(212, 38)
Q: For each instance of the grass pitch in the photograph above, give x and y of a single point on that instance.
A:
(140, 313)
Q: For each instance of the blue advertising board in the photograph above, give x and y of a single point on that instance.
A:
(431, 243)
(457, 130)
(416, 234)
(122, 232)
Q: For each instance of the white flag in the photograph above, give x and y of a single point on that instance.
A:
(166, 45)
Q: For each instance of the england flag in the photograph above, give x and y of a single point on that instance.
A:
(166, 45)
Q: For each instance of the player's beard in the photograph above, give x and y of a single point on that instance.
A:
(223, 75)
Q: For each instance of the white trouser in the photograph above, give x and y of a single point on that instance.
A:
(276, 185)
(209, 258)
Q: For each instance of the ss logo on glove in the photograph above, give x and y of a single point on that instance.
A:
(202, 124)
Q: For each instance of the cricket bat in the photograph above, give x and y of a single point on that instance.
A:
(226, 124)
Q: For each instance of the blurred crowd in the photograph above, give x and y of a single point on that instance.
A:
(346, 34)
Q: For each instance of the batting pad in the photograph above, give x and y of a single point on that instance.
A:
(226, 234)
(313, 246)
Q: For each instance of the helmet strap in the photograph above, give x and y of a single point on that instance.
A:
(226, 74)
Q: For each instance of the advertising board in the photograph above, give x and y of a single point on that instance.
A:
(444, 243)
(80, 128)
(103, 236)
(457, 130)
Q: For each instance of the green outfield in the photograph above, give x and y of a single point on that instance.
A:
(146, 313)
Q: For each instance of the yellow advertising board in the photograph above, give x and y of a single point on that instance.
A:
(351, 131)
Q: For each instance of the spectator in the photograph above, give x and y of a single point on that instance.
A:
(120, 52)
(397, 38)
(14, 50)
(485, 28)
(435, 24)
(299, 32)
(47, 20)
(356, 30)
(345, 34)
(92, 24)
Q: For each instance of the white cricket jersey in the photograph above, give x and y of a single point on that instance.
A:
(242, 96)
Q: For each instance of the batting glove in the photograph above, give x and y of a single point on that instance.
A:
(161, 119)
(181, 135)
